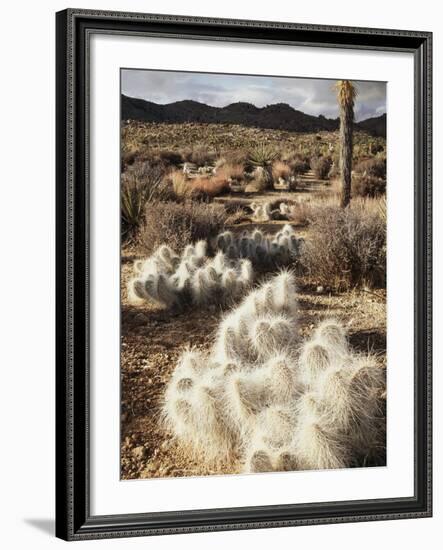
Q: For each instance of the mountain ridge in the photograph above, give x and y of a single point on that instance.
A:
(278, 116)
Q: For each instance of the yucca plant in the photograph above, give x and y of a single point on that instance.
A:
(133, 199)
(139, 185)
(346, 94)
(262, 157)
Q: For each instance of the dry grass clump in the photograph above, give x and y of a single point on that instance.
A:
(209, 187)
(346, 247)
(375, 167)
(170, 157)
(271, 402)
(369, 177)
(140, 183)
(233, 173)
(177, 224)
(367, 186)
(236, 156)
(261, 180)
(281, 170)
(180, 185)
(298, 164)
(301, 213)
(263, 249)
(178, 281)
(164, 158)
(201, 155)
(218, 183)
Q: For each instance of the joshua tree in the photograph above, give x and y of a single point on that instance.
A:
(346, 94)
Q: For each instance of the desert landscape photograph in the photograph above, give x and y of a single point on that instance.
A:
(253, 274)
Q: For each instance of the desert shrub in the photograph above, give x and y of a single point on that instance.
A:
(201, 156)
(281, 170)
(209, 187)
(180, 223)
(299, 166)
(236, 215)
(369, 178)
(165, 159)
(180, 184)
(375, 148)
(140, 183)
(277, 403)
(375, 167)
(364, 185)
(144, 172)
(321, 166)
(235, 205)
(261, 180)
(301, 213)
(192, 279)
(170, 157)
(346, 247)
(220, 162)
(234, 173)
(236, 156)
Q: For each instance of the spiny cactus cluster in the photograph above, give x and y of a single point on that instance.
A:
(261, 248)
(263, 398)
(263, 211)
(191, 278)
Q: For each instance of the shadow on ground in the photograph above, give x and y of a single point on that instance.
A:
(369, 340)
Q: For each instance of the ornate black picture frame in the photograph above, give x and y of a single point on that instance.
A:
(74, 520)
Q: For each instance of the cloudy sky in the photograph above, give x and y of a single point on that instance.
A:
(312, 96)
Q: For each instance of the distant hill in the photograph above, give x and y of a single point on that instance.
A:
(375, 126)
(279, 116)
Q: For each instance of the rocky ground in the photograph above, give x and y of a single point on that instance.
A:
(151, 341)
(140, 136)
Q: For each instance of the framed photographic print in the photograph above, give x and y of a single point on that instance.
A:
(243, 274)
